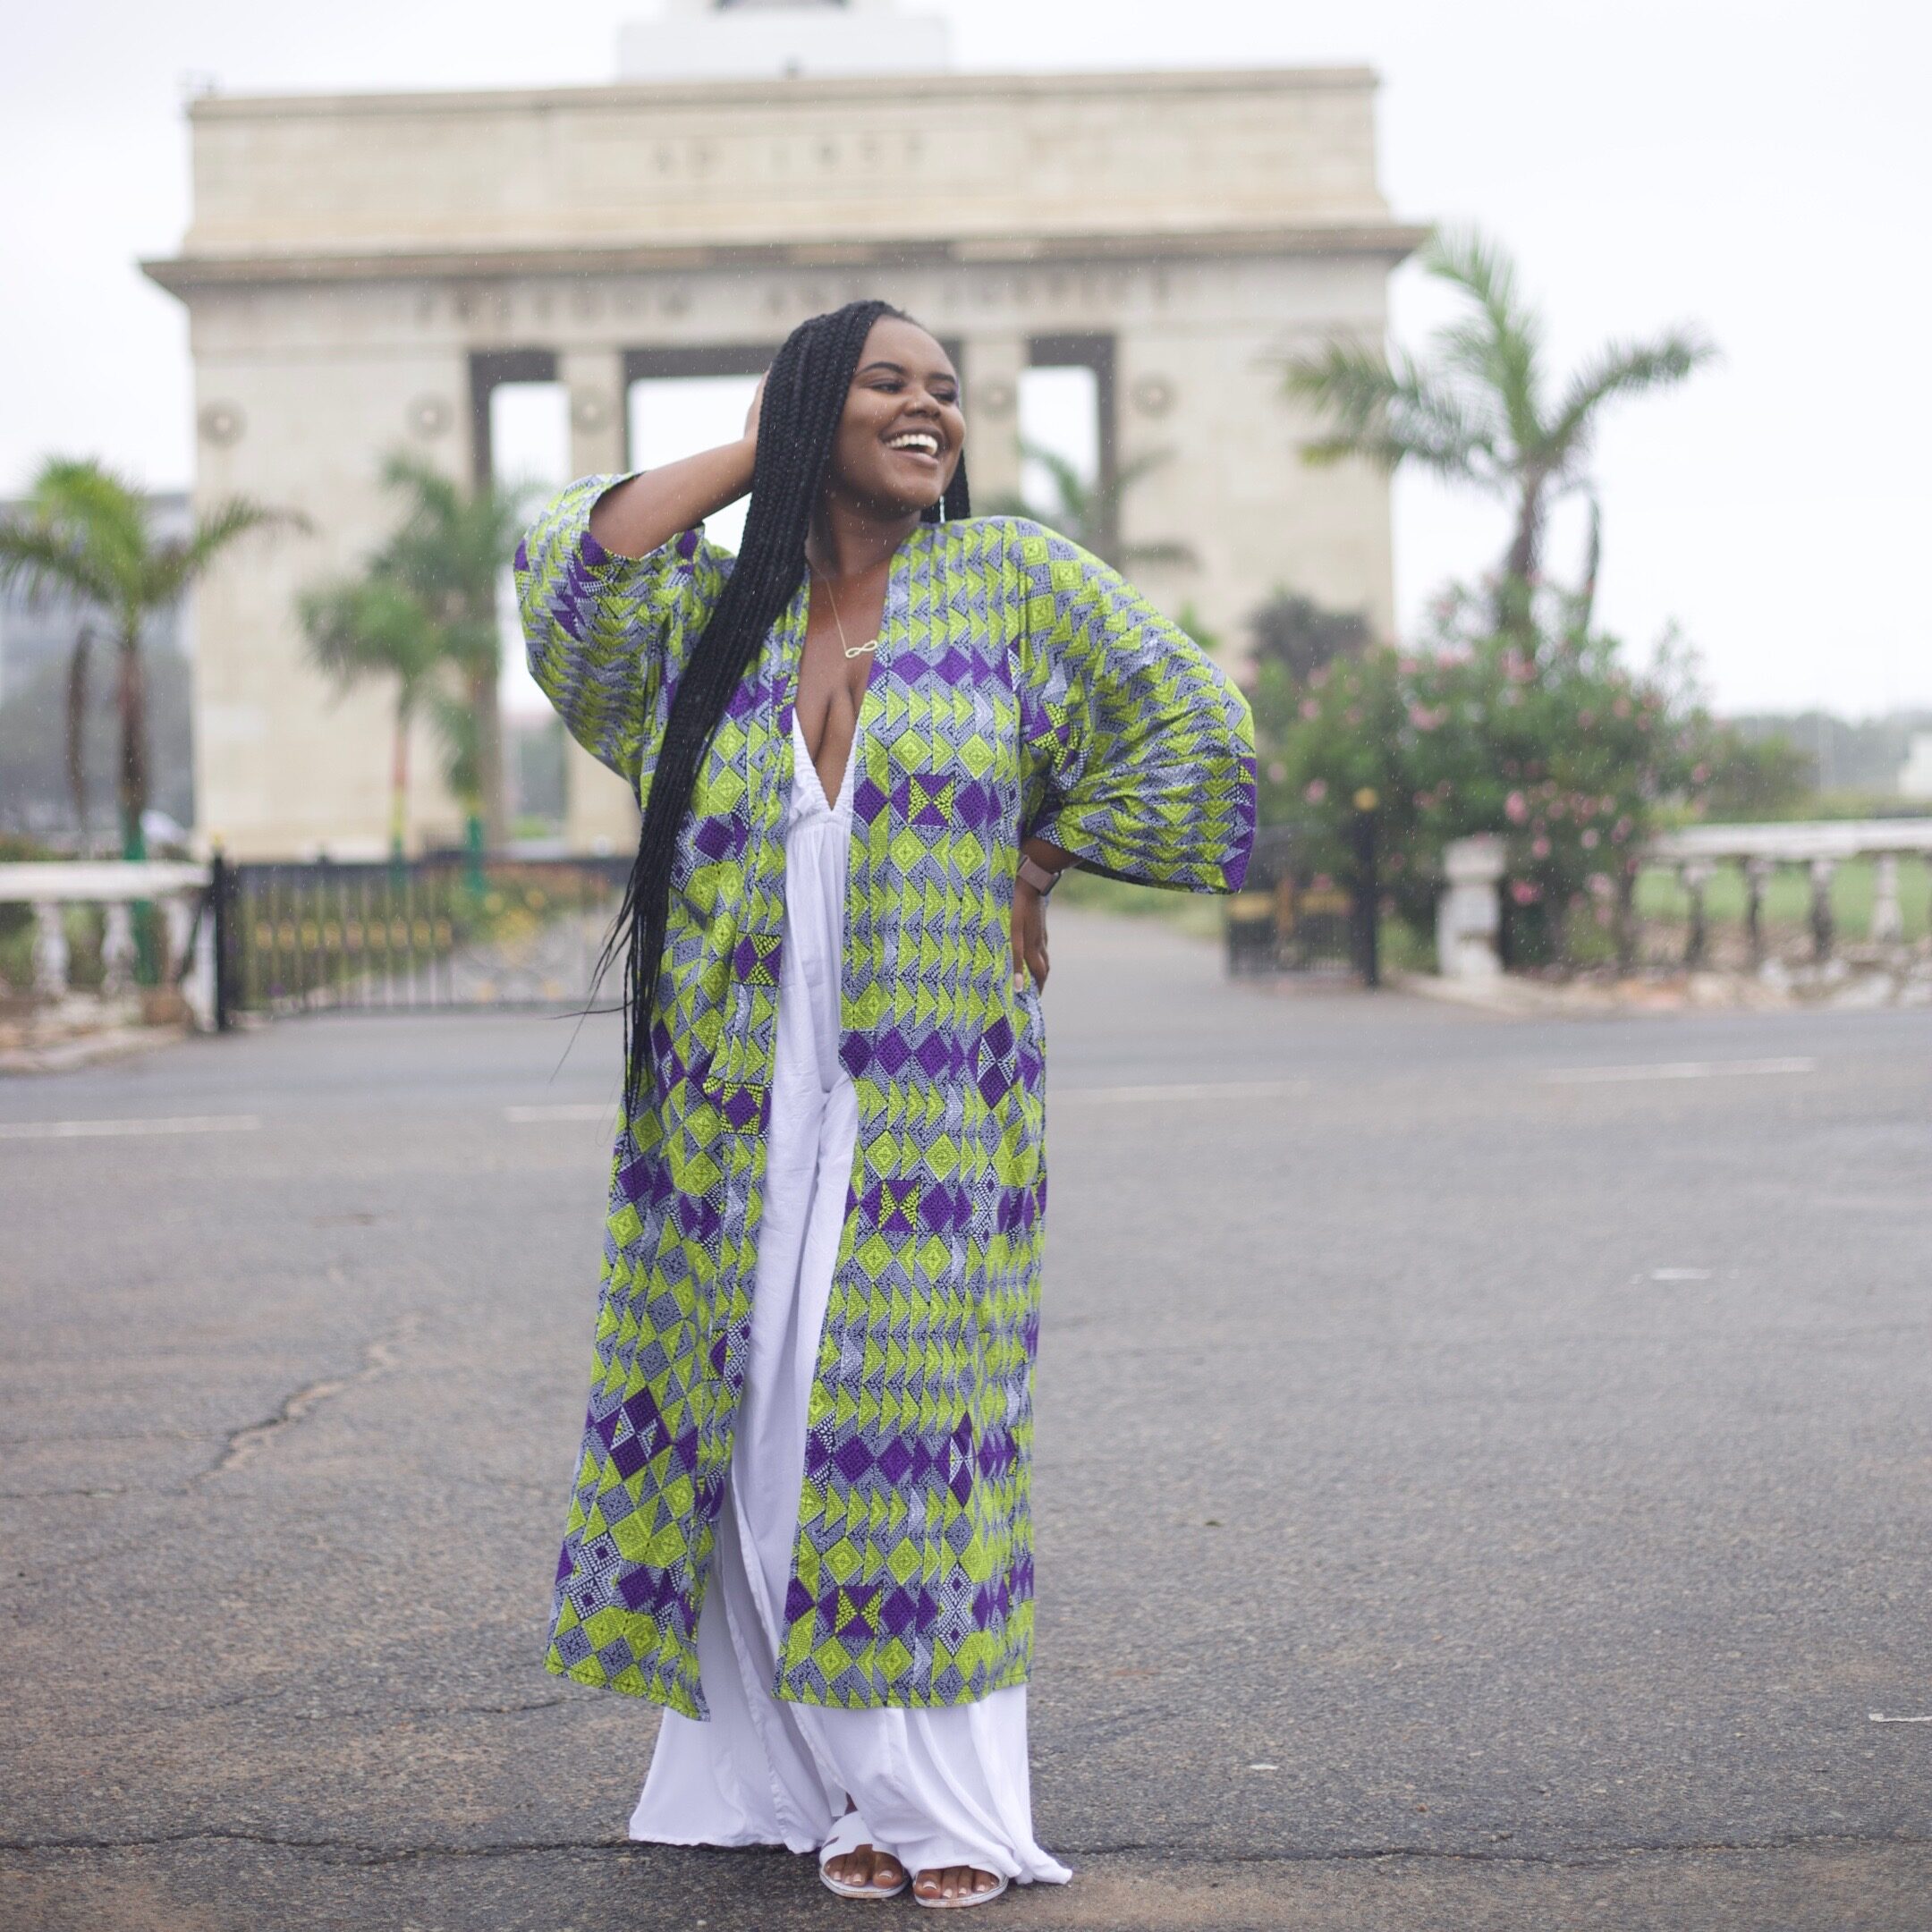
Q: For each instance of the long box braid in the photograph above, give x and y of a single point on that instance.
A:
(805, 393)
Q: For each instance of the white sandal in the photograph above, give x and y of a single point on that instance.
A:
(970, 1898)
(849, 1836)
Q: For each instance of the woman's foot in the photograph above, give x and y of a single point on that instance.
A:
(954, 1882)
(870, 1870)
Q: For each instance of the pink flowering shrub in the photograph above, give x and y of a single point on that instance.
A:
(1544, 739)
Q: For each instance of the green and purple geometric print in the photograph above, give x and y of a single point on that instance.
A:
(1019, 684)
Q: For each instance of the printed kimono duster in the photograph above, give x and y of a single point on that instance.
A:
(1019, 685)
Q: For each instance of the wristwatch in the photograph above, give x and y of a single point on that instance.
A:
(1037, 875)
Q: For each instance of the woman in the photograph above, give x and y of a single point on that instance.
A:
(865, 749)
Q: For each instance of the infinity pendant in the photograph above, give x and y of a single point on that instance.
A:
(859, 650)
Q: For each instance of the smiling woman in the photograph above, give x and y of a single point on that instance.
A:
(865, 747)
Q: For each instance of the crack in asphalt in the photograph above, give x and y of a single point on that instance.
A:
(379, 1357)
(1569, 1856)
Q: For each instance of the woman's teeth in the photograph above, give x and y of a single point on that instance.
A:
(918, 440)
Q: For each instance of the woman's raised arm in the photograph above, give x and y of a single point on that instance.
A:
(650, 509)
(615, 583)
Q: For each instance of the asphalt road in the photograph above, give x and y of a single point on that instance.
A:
(1483, 1480)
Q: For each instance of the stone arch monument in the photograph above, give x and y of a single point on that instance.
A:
(361, 270)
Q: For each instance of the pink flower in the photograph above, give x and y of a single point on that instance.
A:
(1700, 774)
(1516, 808)
(1620, 709)
(1321, 882)
(1539, 848)
(1310, 709)
(1277, 773)
(1317, 790)
(1523, 892)
(1590, 839)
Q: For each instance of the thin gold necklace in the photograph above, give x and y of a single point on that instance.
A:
(851, 651)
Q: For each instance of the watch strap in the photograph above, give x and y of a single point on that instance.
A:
(1037, 875)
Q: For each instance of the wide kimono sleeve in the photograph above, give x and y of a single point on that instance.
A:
(606, 635)
(1146, 744)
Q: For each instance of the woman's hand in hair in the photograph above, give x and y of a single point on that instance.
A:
(633, 519)
(751, 414)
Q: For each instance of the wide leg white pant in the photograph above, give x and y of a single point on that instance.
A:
(933, 1787)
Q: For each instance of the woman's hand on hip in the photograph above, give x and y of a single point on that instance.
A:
(1029, 933)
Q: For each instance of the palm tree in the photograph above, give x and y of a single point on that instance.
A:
(1476, 411)
(84, 533)
(378, 628)
(1088, 513)
(448, 552)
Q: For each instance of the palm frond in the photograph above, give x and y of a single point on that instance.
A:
(93, 535)
(1499, 348)
(177, 565)
(1622, 369)
(42, 561)
(452, 545)
(101, 506)
(1073, 494)
(368, 628)
(1388, 413)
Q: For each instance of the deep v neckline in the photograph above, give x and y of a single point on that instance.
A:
(891, 611)
(801, 753)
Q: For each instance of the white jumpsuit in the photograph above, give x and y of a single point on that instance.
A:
(933, 1787)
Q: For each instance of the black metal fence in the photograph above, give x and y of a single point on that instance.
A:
(445, 931)
(1292, 916)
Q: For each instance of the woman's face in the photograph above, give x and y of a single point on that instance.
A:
(900, 440)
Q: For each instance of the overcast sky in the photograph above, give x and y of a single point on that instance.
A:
(1755, 165)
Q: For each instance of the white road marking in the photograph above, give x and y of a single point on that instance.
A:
(1674, 1070)
(1680, 1273)
(1203, 1090)
(93, 1130)
(1879, 1717)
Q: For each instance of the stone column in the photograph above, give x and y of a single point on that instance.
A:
(117, 950)
(1469, 915)
(50, 950)
(991, 383)
(600, 814)
(1887, 915)
(1756, 876)
(1822, 870)
(1694, 878)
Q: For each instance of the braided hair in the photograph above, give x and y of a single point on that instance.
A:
(805, 391)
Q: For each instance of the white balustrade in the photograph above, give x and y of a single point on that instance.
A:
(1821, 846)
(1469, 911)
(178, 890)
